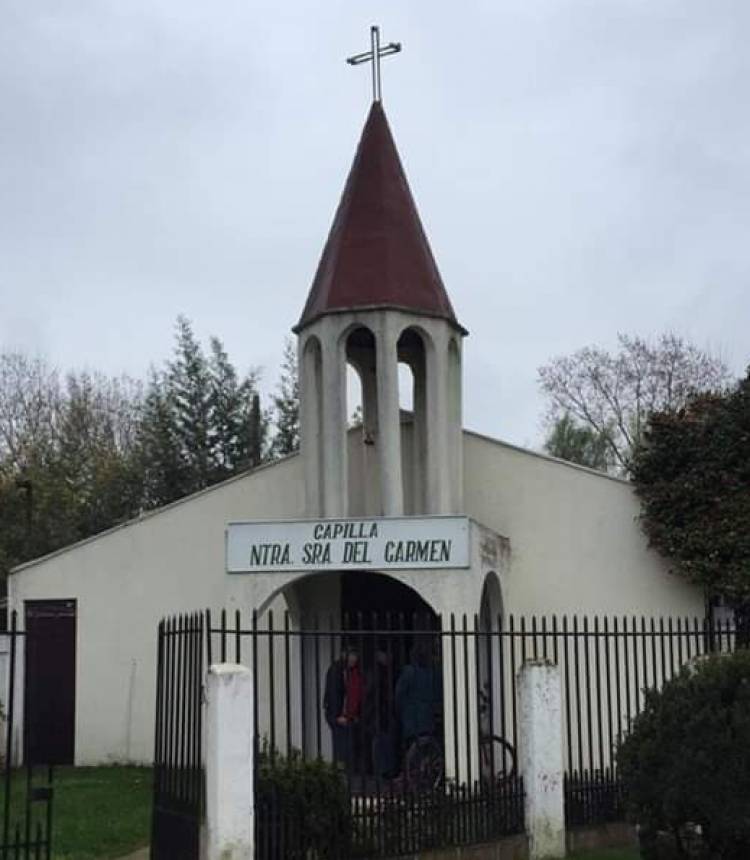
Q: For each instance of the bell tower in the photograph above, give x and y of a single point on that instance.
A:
(377, 299)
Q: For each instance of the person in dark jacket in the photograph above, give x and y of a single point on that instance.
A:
(382, 717)
(342, 704)
(418, 695)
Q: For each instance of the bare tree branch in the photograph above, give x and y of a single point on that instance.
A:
(614, 393)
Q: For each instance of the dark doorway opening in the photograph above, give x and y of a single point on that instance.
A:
(50, 682)
(375, 601)
(396, 636)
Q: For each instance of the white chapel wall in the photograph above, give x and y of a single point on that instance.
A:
(126, 580)
(575, 542)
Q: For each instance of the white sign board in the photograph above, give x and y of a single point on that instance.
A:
(383, 543)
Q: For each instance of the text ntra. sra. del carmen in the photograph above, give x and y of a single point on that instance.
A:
(351, 552)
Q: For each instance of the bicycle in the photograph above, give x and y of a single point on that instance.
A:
(424, 761)
(424, 764)
(497, 756)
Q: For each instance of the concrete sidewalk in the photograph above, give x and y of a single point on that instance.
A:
(142, 854)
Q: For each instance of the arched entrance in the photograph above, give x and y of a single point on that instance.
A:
(370, 600)
(384, 630)
(490, 657)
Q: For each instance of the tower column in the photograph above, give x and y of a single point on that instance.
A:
(439, 472)
(334, 471)
(419, 438)
(311, 437)
(389, 417)
(455, 427)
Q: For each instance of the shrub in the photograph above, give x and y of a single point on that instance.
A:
(685, 765)
(302, 807)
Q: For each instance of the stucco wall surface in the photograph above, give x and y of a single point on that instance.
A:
(575, 542)
(126, 580)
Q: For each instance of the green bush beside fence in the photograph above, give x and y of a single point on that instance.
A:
(685, 764)
(302, 807)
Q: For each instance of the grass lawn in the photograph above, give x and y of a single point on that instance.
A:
(101, 812)
(98, 812)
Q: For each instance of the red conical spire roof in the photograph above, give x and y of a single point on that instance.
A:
(377, 254)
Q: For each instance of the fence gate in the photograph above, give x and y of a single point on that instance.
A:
(26, 780)
(178, 805)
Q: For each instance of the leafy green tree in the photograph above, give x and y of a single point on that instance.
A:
(286, 406)
(72, 467)
(692, 473)
(95, 453)
(576, 443)
(82, 454)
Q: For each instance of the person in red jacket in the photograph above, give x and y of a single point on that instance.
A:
(342, 703)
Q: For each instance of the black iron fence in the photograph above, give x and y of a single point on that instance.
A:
(385, 700)
(607, 666)
(384, 735)
(27, 784)
(178, 802)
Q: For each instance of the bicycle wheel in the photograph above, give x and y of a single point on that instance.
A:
(423, 765)
(497, 760)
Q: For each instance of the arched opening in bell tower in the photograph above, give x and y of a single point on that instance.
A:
(362, 417)
(353, 397)
(412, 357)
(311, 416)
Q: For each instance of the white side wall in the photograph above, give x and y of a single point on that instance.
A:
(575, 542)
(127, 579)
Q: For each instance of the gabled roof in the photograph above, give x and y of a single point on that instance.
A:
(377, 254)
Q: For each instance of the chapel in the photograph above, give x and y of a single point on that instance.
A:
(405, 511)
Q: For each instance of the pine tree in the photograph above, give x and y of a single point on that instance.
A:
(166, 471)
(286, 406)
(228, 407)
(256, 432)
(190, 387)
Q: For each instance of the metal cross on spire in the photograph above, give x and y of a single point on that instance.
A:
(373, 56)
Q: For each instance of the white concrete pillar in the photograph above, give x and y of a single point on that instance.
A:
(311, 436)
(455, 442)
(389, 419)
(438, 465)
(335, 477)
(230, 833)
(419, 439)
(541, 757)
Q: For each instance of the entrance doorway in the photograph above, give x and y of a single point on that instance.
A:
(389, 624)
(374, 600)
(396, 635)
(50, 682)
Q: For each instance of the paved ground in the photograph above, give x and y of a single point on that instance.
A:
(139, 855)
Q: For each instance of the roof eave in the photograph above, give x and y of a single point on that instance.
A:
(353, 309)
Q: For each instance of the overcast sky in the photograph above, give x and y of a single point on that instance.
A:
(581, 168)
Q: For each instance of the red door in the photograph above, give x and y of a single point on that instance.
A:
(50, 681)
